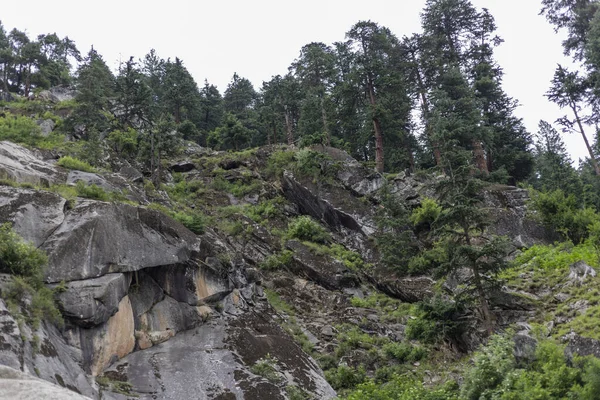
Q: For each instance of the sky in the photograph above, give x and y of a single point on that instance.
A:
(260, 38)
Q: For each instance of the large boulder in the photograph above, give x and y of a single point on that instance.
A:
(322, 269)
(331, 204)
(97, 238)
(35, 214)
(221, 350)
(23, 166)
(17, 385)
(170, 315)
(92, 302)
(190, 283)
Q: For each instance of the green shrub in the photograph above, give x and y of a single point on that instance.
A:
(403, 388)
(306, 228)
(91, 192)
(278, 303)
(194, 221)
(436, 319)
(26, 263)
(404, 352)
(344, 377)
(124, 142)
(265, 367)
(278, 162)
(76, 164)
(295, 393)
(562, 214)
(20, 129)
(18, 257)
(277, 261)
(426, 213)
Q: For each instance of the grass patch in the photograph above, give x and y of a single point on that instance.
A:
(75, 164)
(278, 303)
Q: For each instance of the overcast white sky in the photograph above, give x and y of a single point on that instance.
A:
(260, 38)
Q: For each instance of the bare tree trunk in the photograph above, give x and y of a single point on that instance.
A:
(324, 117)
(288, 126)
(479, 154)
(485, 308)
(587, 144)
(377, 126)
(425, 106)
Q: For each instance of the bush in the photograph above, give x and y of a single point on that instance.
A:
(276, 261)
(20, 129)
(426, 213)
(306, 228)
(194, 221)
(91, 192)
(76, 164)
(562, 214)
(18, 257)
(278, 162)
(344, 377)
(266, 368)
(404, 352)
(26, 263)
(437, 319)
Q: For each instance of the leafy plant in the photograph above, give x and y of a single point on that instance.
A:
(76, 164)
(306, 228)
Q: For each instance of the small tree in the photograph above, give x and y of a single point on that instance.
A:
(460, 228)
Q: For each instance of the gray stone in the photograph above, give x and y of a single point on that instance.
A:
(170, 314)
(322, 269)
(93, 301)
(35, 214)
(144, 293)
(97, 238)
(61, 93)
(581, 346)
(131, 174)
(89, 178)
(182, 166)
(333, 205)
(46, 126)
(191, 283)
(16, 385)
(10, 339)
(222, 350)
(23, 166)
(580, 271)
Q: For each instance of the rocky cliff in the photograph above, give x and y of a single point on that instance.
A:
(240, 311)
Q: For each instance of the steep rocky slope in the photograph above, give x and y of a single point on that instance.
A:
(242, 310)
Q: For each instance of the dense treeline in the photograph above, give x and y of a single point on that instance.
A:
(393, 102)
(399, 104)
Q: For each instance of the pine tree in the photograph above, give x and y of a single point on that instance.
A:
(180, 94)
(95, 89)
(569, 90)
(553, 166)
(315, 70)
(133, 97)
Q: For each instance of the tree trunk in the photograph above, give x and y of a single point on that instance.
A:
(425, 106)
(377, 126)
(324, 117)
(587, 144)
(288, 126)
(487, 314)
(479, 155)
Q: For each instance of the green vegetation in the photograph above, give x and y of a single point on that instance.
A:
(277, 261)
(306, 228)
(26, 265)
(266, 367)
(73, 163)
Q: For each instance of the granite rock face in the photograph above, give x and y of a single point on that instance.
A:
(23, 166)
(97, 238)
